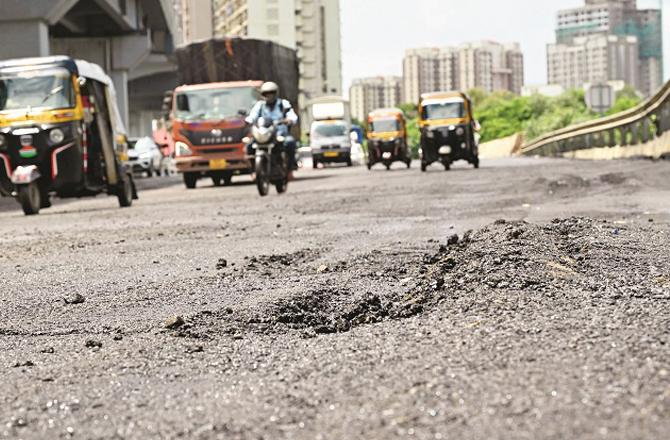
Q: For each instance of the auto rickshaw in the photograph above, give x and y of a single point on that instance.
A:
(387, 138)
(60, 133)
(448, 130)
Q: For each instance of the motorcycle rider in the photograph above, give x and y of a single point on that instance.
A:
(273, 108)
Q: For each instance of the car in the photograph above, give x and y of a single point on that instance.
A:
(144, 156)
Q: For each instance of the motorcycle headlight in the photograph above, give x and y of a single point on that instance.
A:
(181, 149)
(430, 134)
(3, 140)
(460, 131)
(262, 134)
(56, 136)
(281, 138)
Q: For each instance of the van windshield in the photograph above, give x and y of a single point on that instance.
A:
(36, 89)
(330, 130)
(451, 109)
(214, 103)
(385, 125)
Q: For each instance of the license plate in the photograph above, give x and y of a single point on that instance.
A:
(218, 164)
(331, 154)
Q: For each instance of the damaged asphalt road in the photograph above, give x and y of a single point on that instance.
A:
(529, 299)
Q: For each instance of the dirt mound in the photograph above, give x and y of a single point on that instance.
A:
(498, 267)
(575, 256)
(275, 261)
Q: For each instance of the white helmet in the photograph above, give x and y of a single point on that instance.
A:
(269, 87)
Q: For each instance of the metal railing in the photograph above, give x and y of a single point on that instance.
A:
(636, 126)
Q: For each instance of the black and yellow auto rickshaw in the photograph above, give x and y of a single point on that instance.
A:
(387, 138)
(448, 130)
(60, 133)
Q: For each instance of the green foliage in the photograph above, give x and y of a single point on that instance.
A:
(413, 136)
(410, 110)
(625, 99)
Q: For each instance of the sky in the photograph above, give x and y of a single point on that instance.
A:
(375, 33)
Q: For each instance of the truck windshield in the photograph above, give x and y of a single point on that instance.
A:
(385, 125)
(36, 89)
(214, 103)
(451, 109)
(330, 130)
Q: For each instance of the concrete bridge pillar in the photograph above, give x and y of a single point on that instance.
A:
(24, 26)
(28, 38)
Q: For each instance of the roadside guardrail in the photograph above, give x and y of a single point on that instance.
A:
(640, 125)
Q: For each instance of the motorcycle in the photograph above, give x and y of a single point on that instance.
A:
(271, 160)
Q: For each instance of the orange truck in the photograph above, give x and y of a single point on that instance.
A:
(206, 126)
(203, 121)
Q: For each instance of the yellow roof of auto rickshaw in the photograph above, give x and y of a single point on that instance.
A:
(445, 95)
(382, 112)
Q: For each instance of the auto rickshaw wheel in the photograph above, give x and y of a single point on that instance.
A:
(475, 163)
(369, 166)
(447, 166)
(30, 198)
(125, 192)
(349, 162)
(409, 163)
(45, 197)
(424, 166)
(388, 166)
(281, 186)
(315, 164)
(190, 180)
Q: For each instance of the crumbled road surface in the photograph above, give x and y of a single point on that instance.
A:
(529, 299)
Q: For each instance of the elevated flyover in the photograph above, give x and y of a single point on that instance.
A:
(133, 40)
(643, 131)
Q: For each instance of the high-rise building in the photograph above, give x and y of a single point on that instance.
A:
(486, 65)
(594, 59)
(367, 94)
(194, 19)
(312, 27)
(620, 18)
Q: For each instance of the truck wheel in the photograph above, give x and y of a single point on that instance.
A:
(190, 180)
(227, 180)
(216, 180)
(125, 192)
(315, 164)
(30, 199)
